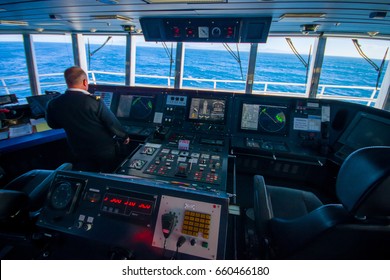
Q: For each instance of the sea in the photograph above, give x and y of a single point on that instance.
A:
(158, 64)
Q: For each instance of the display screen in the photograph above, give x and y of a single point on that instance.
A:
(207, 109)
(367, 130)
(125, 205)
(8, 98)
(38, 104)
(136, 108)
(264, 118)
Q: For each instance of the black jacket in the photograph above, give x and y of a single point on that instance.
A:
(88, 123)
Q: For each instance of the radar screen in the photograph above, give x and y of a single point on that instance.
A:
(206, 109)
(136, 108)
(264, 118)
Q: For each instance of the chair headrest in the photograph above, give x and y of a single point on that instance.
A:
(363, 182)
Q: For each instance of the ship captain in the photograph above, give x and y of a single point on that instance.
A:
(92, 130)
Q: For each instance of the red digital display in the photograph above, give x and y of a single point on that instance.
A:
(126, 205)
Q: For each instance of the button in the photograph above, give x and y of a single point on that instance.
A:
(205, 244)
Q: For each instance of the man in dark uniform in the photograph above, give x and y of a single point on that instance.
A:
(89, 125)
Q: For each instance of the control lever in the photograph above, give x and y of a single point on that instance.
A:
(160, 132)
(168, 222)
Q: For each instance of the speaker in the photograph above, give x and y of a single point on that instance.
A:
(255, 30)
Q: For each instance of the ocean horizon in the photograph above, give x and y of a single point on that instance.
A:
(199, 64)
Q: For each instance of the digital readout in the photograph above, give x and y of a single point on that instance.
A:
(125, 205)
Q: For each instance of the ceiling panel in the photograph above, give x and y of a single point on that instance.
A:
(346, 16)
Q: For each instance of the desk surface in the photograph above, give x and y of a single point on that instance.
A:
(31, 140)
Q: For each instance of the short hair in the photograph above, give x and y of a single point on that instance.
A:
(74, 75)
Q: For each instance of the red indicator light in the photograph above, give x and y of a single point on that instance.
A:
(132, 203)
(176, 31)
(229, 31)
(144, 206)
(190, 32)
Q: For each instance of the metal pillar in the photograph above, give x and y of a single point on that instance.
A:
(250, 77)
(315, 67)
(79, 53)
(130, 60)
(383, 101)
(31, 64)
(179, 65)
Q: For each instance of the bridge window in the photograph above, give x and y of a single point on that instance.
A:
(106, 59)
(13, 68)
(53, 55)
(212, 66)
(346, 75)
(155, 63)
(279, 70)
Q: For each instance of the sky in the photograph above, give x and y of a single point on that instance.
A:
(374, 49)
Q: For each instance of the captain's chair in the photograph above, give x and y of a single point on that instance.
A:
(24, 196)
(296, 224)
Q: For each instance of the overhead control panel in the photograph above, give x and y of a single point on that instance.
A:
(226, 30)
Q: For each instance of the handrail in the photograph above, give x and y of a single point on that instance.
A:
(265, 86)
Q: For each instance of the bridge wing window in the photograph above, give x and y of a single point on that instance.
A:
(155, 63)
(279, 70)
(346, 75)
(211, 66)
(106, 59)
(53, 55)
(13, 68)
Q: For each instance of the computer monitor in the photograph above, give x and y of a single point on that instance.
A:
(264, 118)
(207, 110)
(38, 104)
(136, 107)
(366, 130)
(8, 99)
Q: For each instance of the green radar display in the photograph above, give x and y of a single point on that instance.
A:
(272, 118)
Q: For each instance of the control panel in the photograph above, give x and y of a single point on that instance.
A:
(195, 166)
(197, 29)
(189, 226)
(152, 219)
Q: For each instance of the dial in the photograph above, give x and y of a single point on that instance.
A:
(62, 195)
(272, 119)
(216, 32)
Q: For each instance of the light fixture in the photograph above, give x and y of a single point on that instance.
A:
(13, 22)
(372, 33)
(308, 28)
(301, 17)
(93, 30)
(184, 1)
(378, 15)
(109, 2)
(55, 17)
(118, 17)
(40, 30)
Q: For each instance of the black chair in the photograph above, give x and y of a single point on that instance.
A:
(295, 224)
(23, 197)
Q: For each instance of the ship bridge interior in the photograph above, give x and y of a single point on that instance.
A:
(208, 174)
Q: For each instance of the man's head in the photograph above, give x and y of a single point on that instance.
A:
(75, 77)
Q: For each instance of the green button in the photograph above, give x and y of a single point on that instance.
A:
(205, 244)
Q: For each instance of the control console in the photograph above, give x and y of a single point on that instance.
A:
(198, 166)
(151, 219)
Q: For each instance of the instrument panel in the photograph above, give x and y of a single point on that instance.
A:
(276, 127)
(149, 217)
